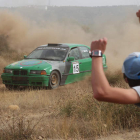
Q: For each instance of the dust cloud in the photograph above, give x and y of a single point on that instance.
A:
(121, 42)
(24, 36)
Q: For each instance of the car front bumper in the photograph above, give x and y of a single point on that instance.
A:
(39, 80)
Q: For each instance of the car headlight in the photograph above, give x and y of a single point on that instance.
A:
(41, 72)
(7, 71)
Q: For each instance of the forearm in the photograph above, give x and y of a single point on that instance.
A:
(100, 84)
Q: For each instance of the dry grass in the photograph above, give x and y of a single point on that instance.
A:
(17, 126)
(70, 111)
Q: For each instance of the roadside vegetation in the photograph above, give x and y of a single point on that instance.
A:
(67, 112)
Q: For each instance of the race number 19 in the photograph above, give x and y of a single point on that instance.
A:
(76, 68)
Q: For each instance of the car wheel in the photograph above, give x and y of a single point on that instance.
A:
(11, 87)
(54, 80)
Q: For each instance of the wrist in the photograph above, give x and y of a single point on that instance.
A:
(97, 62)
(97, 58)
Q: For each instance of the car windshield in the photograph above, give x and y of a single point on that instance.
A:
(49, 53)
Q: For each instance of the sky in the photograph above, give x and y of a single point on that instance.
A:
(13, 3)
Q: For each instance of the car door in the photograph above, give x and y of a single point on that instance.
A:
(75, 66)
(85, 61)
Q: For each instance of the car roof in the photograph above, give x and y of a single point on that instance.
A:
(64, 45)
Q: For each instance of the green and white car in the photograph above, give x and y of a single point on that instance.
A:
(50, 66)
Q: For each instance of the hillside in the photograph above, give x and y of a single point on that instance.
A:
(82, 15)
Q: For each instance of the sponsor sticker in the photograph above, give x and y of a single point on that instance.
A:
(51, 48)
(14, 63)
(30, 63)
(84, 50)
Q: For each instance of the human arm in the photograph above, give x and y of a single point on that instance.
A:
(102, 91)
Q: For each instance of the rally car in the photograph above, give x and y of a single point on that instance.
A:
(49, 66)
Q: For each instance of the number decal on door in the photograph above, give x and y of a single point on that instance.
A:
(75, 68)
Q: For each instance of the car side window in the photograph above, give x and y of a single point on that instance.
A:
(75, 53)
(85, 52)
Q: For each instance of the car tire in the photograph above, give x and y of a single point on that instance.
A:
(11, 87)
(54, 80)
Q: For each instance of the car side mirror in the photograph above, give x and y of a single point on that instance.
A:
(70, 58)
(25, 56)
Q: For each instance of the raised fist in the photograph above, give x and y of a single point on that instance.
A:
(99, 45)
(138, 15)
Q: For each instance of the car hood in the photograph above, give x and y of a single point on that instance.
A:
(31, 64)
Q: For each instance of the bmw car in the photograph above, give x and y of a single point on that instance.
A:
(49, 66)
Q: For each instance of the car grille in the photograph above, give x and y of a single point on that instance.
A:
(16, 72)
(20, 80)
(20, 72)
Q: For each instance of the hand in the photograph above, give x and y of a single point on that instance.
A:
(99, 45)
(138, 15)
